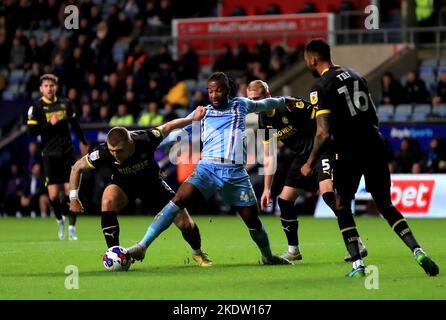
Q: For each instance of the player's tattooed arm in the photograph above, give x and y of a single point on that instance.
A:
(80, 166)
(321, 136)
(168, 127)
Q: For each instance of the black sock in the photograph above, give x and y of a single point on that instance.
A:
(192, 236)
(400, 226)
(110, 228)
(66, 211)
(330, 200)
(72, 218)
(349, 232)
(57, 208)
(288, 218)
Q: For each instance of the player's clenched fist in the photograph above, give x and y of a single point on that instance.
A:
(76, 206)
(199, 113)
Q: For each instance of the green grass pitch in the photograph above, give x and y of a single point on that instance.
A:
(34, 261)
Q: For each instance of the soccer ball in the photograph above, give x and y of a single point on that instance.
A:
(117, 259)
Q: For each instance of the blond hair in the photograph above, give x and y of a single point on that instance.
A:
(258, 84)
(50, 77)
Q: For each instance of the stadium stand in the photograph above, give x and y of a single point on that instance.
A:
(124, 54)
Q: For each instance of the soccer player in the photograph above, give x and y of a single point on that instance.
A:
(136, 174)
(51, 117)
(345, 111)
(222, 167)
(296, 129)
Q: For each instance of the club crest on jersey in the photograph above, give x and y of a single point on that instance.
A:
(300, 104)
(156, 133)
(313, 97)
(285, 120)
(94, 155)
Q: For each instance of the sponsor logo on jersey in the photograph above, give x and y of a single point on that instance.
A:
(313, 97)
(30, 111)
(412, 196)
(94, 155)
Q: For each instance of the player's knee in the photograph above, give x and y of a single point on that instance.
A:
(108, 204)
(54, 198)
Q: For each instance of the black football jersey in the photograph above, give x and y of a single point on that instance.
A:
(55, 140)
(295, 128)
(344, 94)
(140, 167)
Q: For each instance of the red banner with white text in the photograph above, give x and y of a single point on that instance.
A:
(208, 35)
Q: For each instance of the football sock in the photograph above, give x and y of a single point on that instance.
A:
(110, 228)
(399, 225)
(57, 208)
(330, 200)
(161, 222)
(288, 218)
(192, 236)
(72, 217)
(349, 233)
(66, 211)
(260, 237)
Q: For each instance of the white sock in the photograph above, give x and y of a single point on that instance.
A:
(358, 263)
(72, 228)
(293, 249)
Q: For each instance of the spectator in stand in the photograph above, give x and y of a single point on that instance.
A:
(34, 155)
(441, 90)
(94, 99)
(132, 104)
(199, 98)
(415, 89)
(178, 95)
(150, 117)
(33, 79)
(13, 192)
(115, 89)
(169, 113)
(392, 91)
(417, 168)
(35, 198)
(17, 56)
(104, 114)
(242, 58)
(122, 118)
(153, 92)
(46, 48)
(188, 63)
(33, 55)
(225, 61)
(406, 156)
(434, 159)
(87, 115)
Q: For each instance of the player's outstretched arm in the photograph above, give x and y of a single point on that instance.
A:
(168, 127)
(269, 104)
(80, 166)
